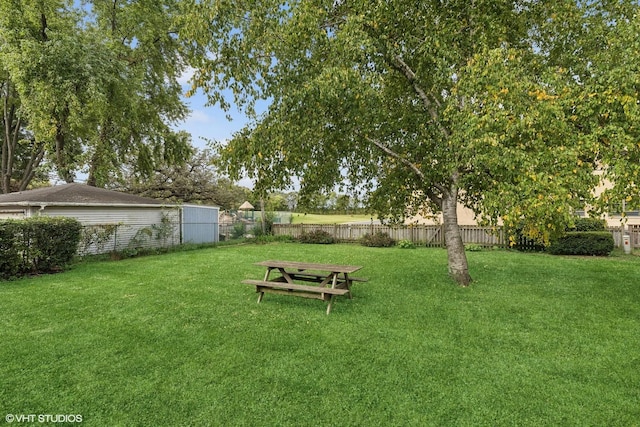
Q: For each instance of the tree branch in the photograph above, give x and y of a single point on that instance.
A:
(396, 156)
(433, 197)
(404, 68)
(43, 27)
(30, 169)
(400, 65)
(428, 191)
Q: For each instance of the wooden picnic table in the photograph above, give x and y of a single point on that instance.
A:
(328, 280)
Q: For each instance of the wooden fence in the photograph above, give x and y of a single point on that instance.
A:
(632, 230)
(427, 235)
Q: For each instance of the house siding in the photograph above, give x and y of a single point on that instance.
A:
(132, 227)
(12, 214)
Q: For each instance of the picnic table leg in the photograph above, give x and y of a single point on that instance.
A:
(334, 281)
(333, 286)
(286, 275)
(329, 305)
(266, 278)
(348, 283)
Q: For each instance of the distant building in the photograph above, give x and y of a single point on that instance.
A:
(134, 220)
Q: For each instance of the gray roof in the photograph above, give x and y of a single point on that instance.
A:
(73, 195)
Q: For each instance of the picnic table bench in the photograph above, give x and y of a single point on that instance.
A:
(329, 279)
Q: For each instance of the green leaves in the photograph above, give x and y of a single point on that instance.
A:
(97, 82)
(413, 99)
(611, 112)
(522, 153)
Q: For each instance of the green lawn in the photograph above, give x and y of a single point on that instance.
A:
(301, 218)
(176, 340)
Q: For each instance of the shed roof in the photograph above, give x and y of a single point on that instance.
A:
(75, 194)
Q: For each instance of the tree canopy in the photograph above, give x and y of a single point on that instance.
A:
(89, 85)
(195, 181)
(496, 104)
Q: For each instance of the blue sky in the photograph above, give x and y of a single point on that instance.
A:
(210, 122)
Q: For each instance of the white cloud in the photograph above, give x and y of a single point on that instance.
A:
(199, 117)
(186, 76)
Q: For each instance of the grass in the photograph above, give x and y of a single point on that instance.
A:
(177, 340)
(301, 218)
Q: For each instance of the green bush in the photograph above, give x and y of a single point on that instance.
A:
(10, 252)
(239, 230)
(599, 243)
(377, 240)
(37, 245)
(269, 220)
(406, 244)
(526, 244)
(53, 242)
(317, 237)
(589, 224)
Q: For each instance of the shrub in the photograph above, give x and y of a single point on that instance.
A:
(317, 237)
(583, 243)
(98, 236)
(406, 244)
(589, 224)
(53, 242)
(239, 230)
(269, 219)
(472, 247)
(10, 259)
(37, 245)
(526, 244)
(377, 240)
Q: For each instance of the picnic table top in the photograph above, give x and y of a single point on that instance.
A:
(334, 268)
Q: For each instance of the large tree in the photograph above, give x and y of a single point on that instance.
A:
(195, 181)
(423, 104)
(609, 109)
(95, 83)
(29, 90)
(143, 97)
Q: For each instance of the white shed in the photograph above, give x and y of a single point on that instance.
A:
(112, 220)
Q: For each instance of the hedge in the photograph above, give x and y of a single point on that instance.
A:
(525, 244)
(37, 245)
(10, 252)
(583, 243)
(377, 240)
(589, 224)
(317, 237)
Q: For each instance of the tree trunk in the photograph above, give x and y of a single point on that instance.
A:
(30, 170)
(12, 126)
(62, 165)
(457, 257)
(263, 216)
(7, 142)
